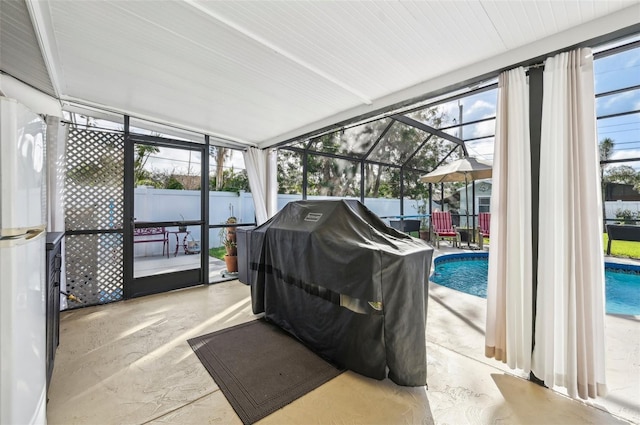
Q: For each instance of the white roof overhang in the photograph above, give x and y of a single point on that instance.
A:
(262, 72)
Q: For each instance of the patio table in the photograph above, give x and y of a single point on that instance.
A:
(184, 240)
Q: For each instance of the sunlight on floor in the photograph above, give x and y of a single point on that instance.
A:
(130, 362)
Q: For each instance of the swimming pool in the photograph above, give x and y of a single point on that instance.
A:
(468, 273)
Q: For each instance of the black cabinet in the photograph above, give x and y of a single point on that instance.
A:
(54, 263)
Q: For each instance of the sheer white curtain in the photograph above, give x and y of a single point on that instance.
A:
(569, 336)
(56, 168)
(262, 172)
(56, 172)
(509, 291)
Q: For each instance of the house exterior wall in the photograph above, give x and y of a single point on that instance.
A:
(483, 191)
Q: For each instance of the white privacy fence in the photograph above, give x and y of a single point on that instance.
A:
(177, 205)
(612, 208)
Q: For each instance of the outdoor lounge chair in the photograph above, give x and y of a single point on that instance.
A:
(442, 228)
(484, 227)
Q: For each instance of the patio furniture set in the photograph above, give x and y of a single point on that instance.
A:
(161, 234)
(442, 228)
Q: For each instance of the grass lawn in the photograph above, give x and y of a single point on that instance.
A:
(622, 248)
(218, 252)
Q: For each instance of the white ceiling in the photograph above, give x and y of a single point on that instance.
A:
(260, 72)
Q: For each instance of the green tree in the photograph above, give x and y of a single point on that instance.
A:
(402, 147)
(173, 183)
(341, 177)
(328, 176)
(622, 174)
(220, 155)
(141, 155)
(605, 146)
(289, 172)
(233, 181)
(606, 149)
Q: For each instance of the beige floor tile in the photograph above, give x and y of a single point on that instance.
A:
(210, 409)
(465, 391)
(129, 363)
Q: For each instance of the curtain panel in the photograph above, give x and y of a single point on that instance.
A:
(568, 348)
(262, 169)
(509, 290)
(569, 333)
(57, 134)
(272, 182)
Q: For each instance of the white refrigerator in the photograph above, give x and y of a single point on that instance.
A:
(22, 266)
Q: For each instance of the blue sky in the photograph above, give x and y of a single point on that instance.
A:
(612, 73)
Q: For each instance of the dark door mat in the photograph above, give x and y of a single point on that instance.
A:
(260, 368)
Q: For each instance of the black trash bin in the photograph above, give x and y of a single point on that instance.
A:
(406, 226)
(243, 236)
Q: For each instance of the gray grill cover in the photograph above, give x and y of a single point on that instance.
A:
(349, 287)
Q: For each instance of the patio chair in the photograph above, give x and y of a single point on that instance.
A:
(442, 228)
(484, 227)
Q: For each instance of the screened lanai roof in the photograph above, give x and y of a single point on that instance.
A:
(260, 73)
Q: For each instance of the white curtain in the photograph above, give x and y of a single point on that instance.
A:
(56, 170)
(272, 182)
(569, 336)
(55, 193)
(509, 291)
(262, 172)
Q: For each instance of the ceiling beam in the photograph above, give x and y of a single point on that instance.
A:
(101, 111)
(279, 50)
(599, 31)
(43, 28)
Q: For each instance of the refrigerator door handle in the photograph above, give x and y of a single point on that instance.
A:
(34, 233)
(13, 237)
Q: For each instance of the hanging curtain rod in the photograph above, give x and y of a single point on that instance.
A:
(535, 65)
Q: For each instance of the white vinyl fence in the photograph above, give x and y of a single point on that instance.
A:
(176, 205)
(613, 207)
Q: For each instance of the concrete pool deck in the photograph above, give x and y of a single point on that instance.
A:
(622, 343)
(129, 362)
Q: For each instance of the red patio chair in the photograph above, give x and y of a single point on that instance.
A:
(484, 227)
(442, 228)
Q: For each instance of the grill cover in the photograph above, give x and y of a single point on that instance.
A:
(352, 289)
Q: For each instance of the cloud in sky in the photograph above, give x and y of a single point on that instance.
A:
(482, 107)
(481, 129)
(621, 102)
(482, 149)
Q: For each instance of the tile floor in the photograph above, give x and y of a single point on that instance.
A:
(149, 266)
(129, 363)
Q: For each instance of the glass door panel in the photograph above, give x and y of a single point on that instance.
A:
(167, 217)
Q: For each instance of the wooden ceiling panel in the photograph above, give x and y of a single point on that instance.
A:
(263, 71)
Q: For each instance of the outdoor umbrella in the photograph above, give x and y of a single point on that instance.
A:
(463, 169)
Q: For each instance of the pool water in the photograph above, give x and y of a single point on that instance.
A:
(468, 273)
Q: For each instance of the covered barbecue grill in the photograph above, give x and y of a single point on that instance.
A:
(349, 287)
